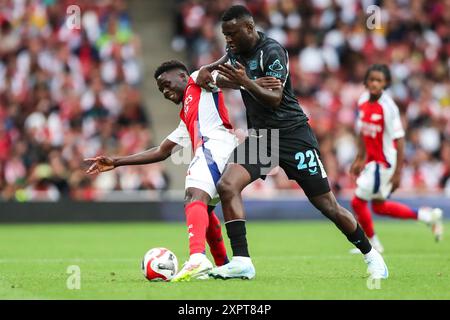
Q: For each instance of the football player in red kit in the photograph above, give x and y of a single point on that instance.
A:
(378, 164)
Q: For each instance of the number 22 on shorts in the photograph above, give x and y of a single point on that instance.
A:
(307, 160)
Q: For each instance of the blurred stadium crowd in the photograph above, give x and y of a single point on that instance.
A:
(330, 47)
(66, 94)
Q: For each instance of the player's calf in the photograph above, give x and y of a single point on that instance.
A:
(327, 204)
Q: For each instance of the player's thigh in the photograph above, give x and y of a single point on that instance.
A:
(253, 155)
(374, 182)
(385, 182)
(300, 158)
(234, 178)
(305, 167)
(202, 177)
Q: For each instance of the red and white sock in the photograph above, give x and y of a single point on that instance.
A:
(361, 209)
(394, 209)
(197, 222)
(215, 240)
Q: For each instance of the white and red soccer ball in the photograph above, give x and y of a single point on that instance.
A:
(159, 264)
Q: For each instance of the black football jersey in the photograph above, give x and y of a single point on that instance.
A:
(269, 58)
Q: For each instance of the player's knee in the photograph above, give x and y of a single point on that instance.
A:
(191, 197)
(378, 207)
(225, 189)
(187, 199)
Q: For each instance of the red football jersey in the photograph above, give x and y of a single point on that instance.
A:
(203, 116)
(380, 125)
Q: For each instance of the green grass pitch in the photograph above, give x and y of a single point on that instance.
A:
(293, 260)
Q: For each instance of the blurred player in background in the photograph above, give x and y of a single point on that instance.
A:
(378, 164)
(204, 127)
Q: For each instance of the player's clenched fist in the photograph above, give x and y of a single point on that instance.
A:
(100, 164)
(235, 74)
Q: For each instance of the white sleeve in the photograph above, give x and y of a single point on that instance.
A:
(194, 75)
(180, 135)
(392, 120)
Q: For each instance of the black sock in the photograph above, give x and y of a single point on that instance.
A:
(237, 234)
(359, 239)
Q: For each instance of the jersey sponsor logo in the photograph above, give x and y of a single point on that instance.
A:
(276, 66)
(274, 74)
(253, 65)
(376, 117)
(370, 129)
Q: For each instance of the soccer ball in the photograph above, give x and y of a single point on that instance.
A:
(159, 264)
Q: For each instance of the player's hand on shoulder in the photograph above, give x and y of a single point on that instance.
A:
(270, 83)
(205, 79)
(99, 164)
(235, 74)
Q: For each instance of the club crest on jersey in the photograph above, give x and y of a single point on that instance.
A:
(253, 65)
(276, 66)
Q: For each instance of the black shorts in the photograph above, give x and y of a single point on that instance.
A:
(296, 151)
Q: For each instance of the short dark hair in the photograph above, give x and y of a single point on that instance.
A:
(236, 12)
(381, 68)
(169, 65)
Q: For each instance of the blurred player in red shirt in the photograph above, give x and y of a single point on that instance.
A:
(378, 164)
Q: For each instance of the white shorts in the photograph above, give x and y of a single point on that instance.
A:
(373, 182)
(208, 164)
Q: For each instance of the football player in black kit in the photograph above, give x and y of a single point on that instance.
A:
(272, 115)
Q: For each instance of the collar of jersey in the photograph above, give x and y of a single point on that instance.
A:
(262, 37)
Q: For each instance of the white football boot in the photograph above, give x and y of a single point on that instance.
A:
(237, 268)
(376, 267)
(197, 267)
(433, 218)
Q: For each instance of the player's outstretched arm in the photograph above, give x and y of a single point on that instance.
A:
(156, 154)
(204, 77)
